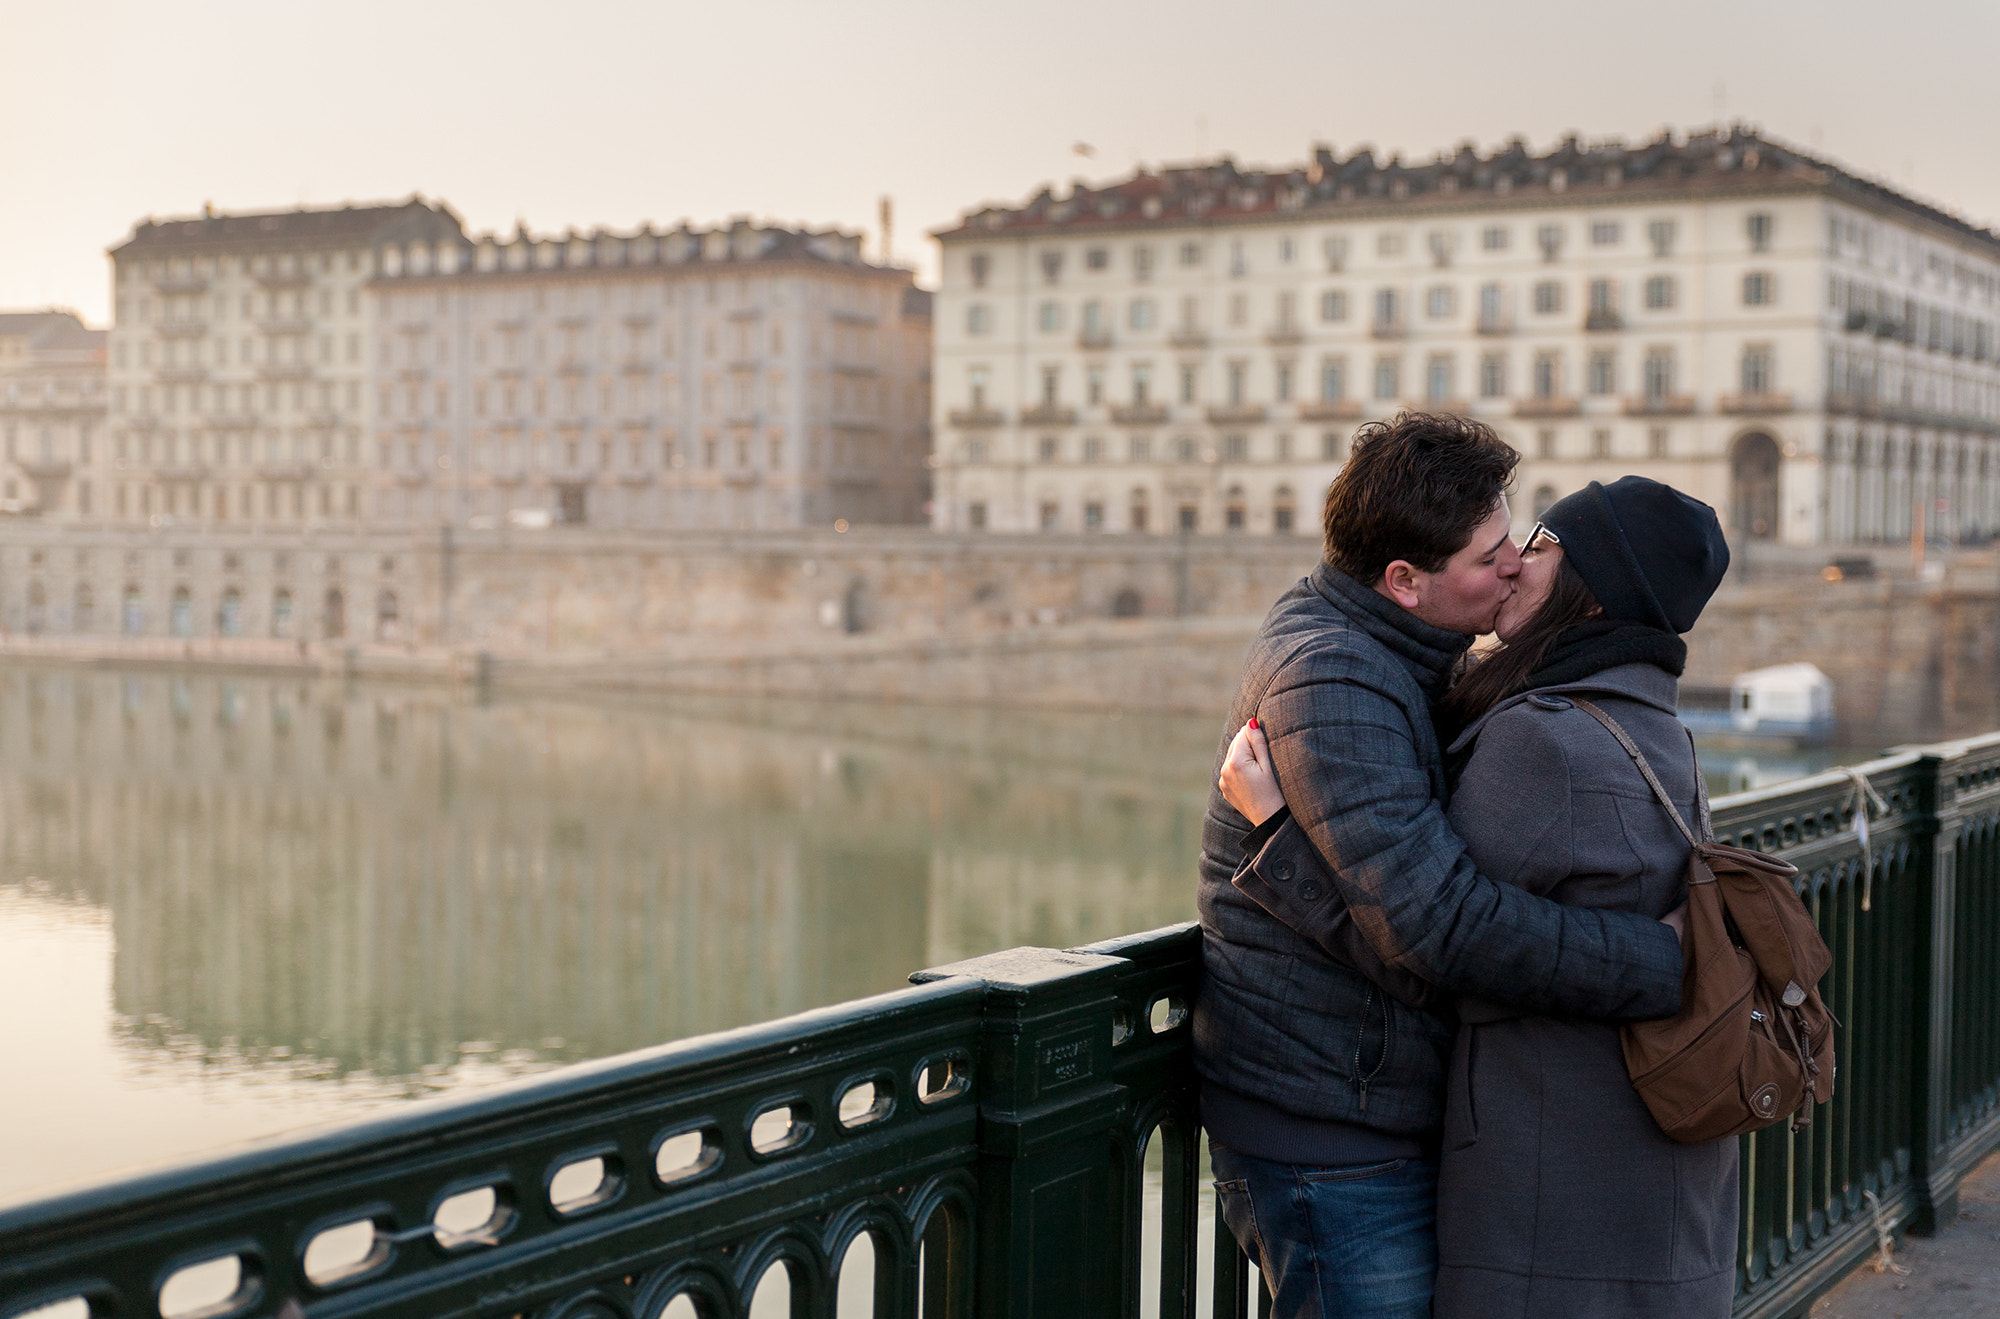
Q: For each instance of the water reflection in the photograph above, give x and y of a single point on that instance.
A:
(244, 903)
(391, 891)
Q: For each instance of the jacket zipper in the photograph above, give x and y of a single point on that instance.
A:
(1361, 1080)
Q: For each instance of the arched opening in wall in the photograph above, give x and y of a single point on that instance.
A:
(281, 614)
(85, 617)
(1235, 512)
(388, 619)
(131, 613)
(1753, 486)
(180, 618)
(229, 615)
(38, 608)
(1128, 603)
(1545, 495)
(336, 614)
(1284, 512)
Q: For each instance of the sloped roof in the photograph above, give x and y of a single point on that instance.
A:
(328, 225)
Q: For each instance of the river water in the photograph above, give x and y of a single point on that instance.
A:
(235, 906)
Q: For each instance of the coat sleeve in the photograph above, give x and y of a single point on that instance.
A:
(1346, 757)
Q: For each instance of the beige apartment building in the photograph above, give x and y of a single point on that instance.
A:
(1190, 349)
(239, 367)
(52, 410)
(743, 376)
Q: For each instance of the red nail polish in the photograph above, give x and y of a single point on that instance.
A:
(1253, 723)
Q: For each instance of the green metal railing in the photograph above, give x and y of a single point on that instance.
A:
(986, 1132)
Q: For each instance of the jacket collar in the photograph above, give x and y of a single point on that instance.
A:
(1642, 684)
(1429, 653)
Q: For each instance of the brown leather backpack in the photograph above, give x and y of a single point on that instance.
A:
(1753, 1042)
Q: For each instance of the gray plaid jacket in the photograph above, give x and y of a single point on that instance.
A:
(1342, 679)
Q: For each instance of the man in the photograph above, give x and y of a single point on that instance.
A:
(1322, 1087)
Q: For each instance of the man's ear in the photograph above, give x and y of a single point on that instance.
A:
(1402, 583)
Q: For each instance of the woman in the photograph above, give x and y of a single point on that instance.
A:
(1558, 1195)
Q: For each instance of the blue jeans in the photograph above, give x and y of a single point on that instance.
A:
(1335, 1243)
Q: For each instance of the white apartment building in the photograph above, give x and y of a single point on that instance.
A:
(52, 410)
(741, 377)
(238, 367)
(1813, 353)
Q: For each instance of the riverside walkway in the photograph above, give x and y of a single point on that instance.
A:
(1015, 1137)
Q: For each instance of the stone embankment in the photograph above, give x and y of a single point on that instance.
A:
(1138, 623)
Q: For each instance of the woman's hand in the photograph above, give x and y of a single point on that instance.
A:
(1246, 780)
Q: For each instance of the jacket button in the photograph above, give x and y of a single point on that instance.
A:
(1309, 892)
(1282, 871)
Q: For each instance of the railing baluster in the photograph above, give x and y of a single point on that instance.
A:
(1232, 1272)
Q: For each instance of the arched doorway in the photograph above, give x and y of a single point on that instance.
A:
(1753, 486)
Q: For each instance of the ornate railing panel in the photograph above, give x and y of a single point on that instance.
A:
(987, 1131)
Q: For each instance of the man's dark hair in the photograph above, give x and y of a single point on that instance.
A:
(1415, 487)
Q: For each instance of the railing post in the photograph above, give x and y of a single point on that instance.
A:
(1934, 1177)
(1054, 1156)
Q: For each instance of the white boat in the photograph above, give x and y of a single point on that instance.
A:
(1788, 702)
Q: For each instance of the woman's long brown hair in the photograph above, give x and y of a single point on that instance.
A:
(1503, 671)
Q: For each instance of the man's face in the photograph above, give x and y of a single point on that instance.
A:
(1466, 594)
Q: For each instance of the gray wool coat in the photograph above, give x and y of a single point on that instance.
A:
(1558, 1195)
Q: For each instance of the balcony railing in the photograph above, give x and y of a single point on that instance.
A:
(173, 284)
(994, 1120)
(977, 418)
(1603, 318)
(1048, 414)
(1139, 414)
(1763, 404)
(1334, 409)
(1496, 324)
(1188, 337)
(1389, 329)
(1660, 405)
(1282, 335)
(181, 329)
(1093, 339)
(1236, 414)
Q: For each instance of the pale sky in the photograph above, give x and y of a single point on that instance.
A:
(616, 112)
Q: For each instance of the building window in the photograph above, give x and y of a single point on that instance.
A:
(1548, 297)
(1190, 518)
(1388, 377)
(1286, 251)
(1142, 383)
(1388, 244)
(1281, 382)
(1142, 448)
(1759, 226)
(1492, 307)
(1550, 239)
(1332, 379)
(1494, 238)
(1603, 377)
(1184, 449)
(1236, 448)
(1603, 296)
(1493, 375)
(1236, 376)
(1093, 516)
(1239, 309)
(1047, 448)
(1656, 442)
(1190, 254)
(1329, 446)
(1051, 267)
(975, 451)
(1190, 382)
(1051, 385)
(1660, 292)
(1600, 444)
(1093, 385)
(1093, 449)
(1051, 515)
(977, 318)
(981, 266)
(1284, 513)
(1660, 233)
(1234, 514)
(1605, 233)
(1048, 317)
(1438, 378)
(975, 516)
(975, 381)
(1142, 314)
(1440, 302)
(1545, 448)
(1135, 516)
(1758, 370)
(1097, 258)
(1388, 310)
(1545, 498)
(1760, 288)
(1142, 264)
(1659, 373)
(1333, 305)
(1093, 319)
(1548, 375)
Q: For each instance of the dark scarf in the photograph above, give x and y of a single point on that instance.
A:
(1598, 644)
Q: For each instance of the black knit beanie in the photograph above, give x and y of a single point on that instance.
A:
(1649, 553)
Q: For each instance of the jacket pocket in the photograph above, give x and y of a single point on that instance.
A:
(1461, 1106)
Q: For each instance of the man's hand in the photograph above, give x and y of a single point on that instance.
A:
(1246, 780)
(1677, 921)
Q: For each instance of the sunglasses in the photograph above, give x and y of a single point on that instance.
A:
(1540, 537)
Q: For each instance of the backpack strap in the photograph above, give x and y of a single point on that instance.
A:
(1652, 779)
